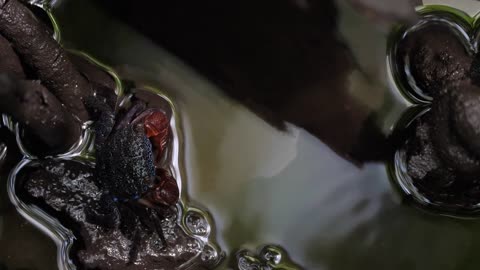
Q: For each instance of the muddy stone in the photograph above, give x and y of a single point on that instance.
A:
(9, 61)
(66, 189)
(39, 111)
(441, 156)
(443, 148)
(32, 40)
(466, 116)
(437, 57)
(46, 85)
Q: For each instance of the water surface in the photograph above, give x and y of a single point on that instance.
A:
(263, 186)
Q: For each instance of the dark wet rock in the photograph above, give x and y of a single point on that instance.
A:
(101, 81)
(475, 70)
(443, 144)
(9, 61)
(466, 116)
(441, 156)
(30, 103)
(92, 72)
(437, 57)
(44, 87)
(33, 41)
(66, 189)
(422, 157)
(445, 137)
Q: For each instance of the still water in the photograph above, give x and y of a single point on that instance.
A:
(263, 186)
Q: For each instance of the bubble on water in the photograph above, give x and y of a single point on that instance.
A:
(247, 262)
(270, 257)
(197, 223)
(271, 254)
(209, 254)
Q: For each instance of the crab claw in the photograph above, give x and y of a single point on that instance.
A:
(157, 129)
(165, 192)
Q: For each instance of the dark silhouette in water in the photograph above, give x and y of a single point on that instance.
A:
(282, 59)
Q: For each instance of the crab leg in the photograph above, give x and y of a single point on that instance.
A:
(39, 50)
(104, 119)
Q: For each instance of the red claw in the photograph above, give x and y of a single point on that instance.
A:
(157, 128)
(166, 191)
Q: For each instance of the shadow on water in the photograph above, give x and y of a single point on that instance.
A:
(284, 60)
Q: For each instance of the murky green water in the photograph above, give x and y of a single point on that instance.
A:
(263, 186)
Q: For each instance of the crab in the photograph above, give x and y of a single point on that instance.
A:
(129, 148)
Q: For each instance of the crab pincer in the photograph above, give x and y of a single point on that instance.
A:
(157, 128)
(165, 190)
